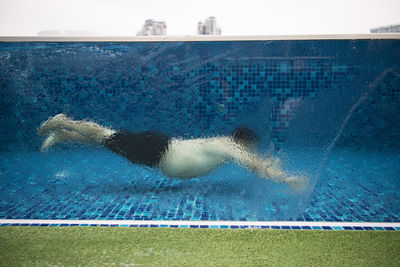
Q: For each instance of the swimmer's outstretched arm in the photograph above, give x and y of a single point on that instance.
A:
(267, 168)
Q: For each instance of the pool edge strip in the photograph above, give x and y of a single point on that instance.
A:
(201, 38)
(285, 225)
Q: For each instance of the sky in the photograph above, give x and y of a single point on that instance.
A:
(248, 17)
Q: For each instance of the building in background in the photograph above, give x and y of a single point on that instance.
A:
(209, 27)
(152, 27)
(390, 28)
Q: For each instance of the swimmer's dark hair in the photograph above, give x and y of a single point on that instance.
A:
(244, 136)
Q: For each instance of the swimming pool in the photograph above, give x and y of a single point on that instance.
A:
(326, 107)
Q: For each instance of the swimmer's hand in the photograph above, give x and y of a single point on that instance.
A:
(297, 182)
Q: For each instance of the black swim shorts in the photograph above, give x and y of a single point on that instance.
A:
(140, 148)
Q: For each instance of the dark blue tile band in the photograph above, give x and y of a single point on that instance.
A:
(205, 226)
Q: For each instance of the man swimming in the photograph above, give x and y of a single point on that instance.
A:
(176, 158)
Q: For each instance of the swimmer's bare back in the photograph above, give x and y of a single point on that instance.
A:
(176, 158)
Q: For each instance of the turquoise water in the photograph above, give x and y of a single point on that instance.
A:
(327, 109)
(96, 184)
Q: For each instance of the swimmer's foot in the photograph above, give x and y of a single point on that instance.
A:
(52, 124)
(51, 140)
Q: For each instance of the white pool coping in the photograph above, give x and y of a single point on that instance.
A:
(210, 224)
(200, 38)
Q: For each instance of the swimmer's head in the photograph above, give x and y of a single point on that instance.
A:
(245, 137)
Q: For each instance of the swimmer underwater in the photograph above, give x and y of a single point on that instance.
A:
(176, 158)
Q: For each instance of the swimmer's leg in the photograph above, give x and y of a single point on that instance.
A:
(60, 128)
(52, 124)
(62, 135)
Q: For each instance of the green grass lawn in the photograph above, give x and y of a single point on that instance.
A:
(106, 246)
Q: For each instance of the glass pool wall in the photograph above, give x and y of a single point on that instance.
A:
(328, 109)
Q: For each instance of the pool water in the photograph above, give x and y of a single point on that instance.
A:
(326, 108)
(96, 184)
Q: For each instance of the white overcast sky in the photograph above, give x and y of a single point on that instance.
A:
(248, 17)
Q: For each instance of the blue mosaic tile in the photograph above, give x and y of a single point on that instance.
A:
(215, 95)
(390, 228)
(368, 228)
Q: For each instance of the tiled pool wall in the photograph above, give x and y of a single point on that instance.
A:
(192, 89)
(207, 87)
